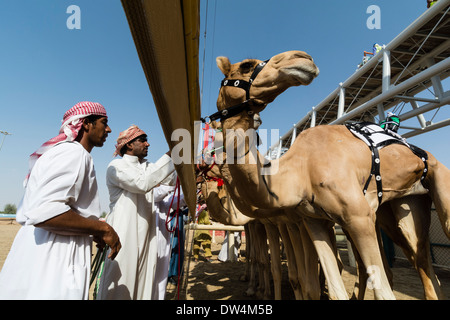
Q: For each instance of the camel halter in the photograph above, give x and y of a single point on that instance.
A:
(244, 106)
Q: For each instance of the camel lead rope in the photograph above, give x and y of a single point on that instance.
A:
(176, 227)
(97, 265)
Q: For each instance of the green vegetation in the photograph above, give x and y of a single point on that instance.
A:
(10, 209)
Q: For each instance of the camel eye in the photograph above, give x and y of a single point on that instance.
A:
(246, 66)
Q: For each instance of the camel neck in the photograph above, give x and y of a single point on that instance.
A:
(254, 180)
(263, 188)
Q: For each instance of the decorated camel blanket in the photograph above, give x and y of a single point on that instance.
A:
(376, 138)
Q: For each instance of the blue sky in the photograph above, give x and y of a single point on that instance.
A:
(47, 68)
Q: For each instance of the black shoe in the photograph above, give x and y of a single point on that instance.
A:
(173, 280)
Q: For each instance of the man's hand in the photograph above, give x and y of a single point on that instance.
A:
(111, 239)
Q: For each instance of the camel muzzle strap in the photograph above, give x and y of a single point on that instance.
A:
(244, 106)
(229, 112)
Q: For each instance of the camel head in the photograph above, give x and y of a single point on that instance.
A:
(284, 70)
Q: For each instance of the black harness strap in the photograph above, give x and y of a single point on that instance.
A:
(229, 112)
(424, 157)
(245, 84)
(375, 171)
(244, 106)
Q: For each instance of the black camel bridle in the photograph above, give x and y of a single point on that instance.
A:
(244, 106)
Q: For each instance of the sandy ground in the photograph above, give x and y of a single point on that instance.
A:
(221, 280)
(8, 230)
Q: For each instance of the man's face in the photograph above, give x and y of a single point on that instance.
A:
(98, 131)
(139, 147)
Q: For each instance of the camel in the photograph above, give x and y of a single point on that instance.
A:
(409, 239)
(224, 210)
(311, 185)
(415, 243)
(401, 219)
(258, 232)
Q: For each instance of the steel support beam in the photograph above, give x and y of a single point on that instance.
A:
(395, 90)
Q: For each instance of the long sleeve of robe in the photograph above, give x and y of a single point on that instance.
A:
(42, 264)
(132, 215)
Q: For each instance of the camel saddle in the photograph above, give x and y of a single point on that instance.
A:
(376, 138)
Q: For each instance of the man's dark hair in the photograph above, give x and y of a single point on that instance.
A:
(92, 118)
(125, 148)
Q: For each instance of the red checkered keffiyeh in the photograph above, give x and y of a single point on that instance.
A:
(71, 125)
(126, 136)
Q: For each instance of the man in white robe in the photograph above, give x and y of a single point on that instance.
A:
(130, 182)
(51, 254)
(223, 254)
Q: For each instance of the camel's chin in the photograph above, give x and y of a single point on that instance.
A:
(303, 75)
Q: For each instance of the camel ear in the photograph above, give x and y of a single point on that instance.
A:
(224, 65)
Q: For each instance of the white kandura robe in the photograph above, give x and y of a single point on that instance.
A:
(132, 215)
(163, 197)
(42, 264)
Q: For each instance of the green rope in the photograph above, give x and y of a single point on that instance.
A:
(97, 283)
(97, 263)
(213, 150)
